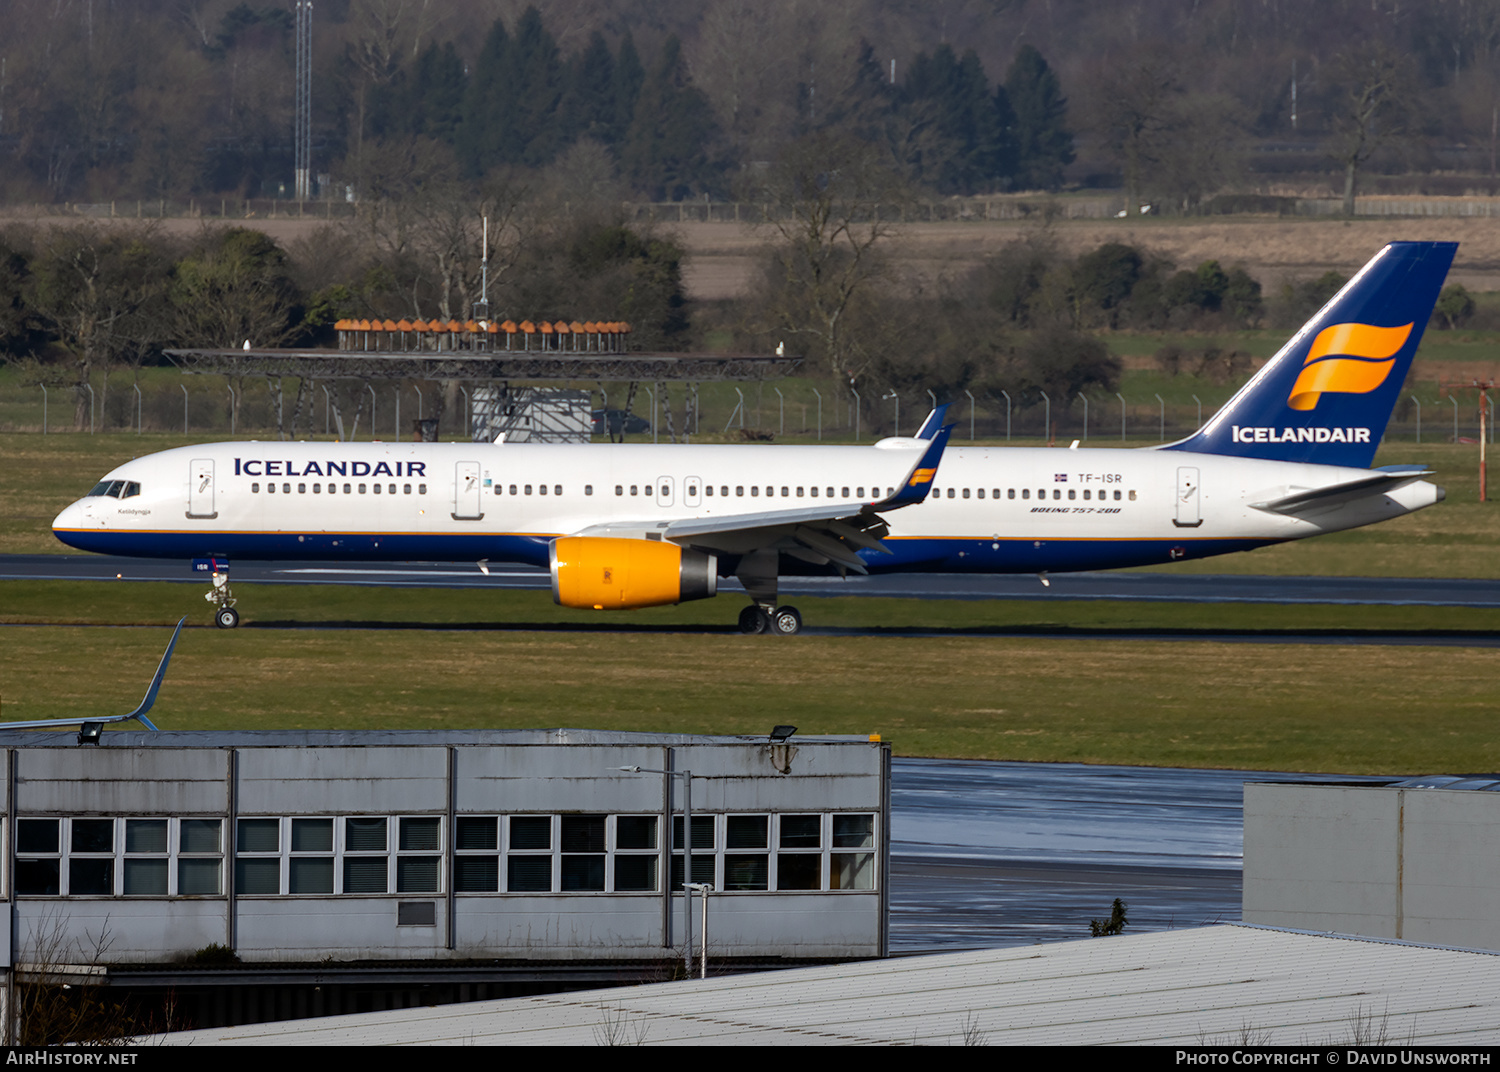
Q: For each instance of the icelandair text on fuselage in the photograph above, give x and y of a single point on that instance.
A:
(270, 468)
(1330, 1057)
(1253, 434)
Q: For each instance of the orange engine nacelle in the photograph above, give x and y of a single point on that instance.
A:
(608, 573)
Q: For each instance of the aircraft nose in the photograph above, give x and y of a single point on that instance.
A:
(72, 517)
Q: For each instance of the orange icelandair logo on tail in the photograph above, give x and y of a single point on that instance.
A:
(1347, 359)
(922, 476)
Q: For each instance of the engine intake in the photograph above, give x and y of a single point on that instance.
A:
(609, 573)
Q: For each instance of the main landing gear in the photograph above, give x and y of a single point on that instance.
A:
(782, 621)
(225, 616)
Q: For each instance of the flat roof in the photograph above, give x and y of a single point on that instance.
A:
(134, 738)
(1223, 985)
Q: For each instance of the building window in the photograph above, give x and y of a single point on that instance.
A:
(476, 864)
(528, 864)
(304, 856)
(635, 854)
(745, 870)
(89, 857)
(366, 860)
(310, 862)
(704, 858)
(417, 859)
(582, 852)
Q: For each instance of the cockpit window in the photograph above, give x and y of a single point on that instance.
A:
(115, 489)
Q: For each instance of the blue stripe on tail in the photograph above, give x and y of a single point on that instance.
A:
(1328, 394)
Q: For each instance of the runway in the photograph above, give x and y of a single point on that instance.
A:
(1123, 587)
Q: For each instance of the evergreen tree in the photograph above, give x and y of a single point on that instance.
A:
(863, 107)
(511, 110)
(486, 103)
(589, 100)
(629, 75)
(956, 129)
(665, 154)
(1044, 145)
(532, 134)
(437, 97)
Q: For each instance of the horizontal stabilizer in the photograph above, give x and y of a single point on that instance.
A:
(1379, 481)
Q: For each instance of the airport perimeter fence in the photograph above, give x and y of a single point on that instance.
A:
(944, 210)
(204, 406)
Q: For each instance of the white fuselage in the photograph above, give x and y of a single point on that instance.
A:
(992, 509)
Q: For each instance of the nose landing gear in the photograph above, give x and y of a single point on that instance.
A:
(225, 616)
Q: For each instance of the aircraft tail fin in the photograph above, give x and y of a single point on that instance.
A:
(1328, 394)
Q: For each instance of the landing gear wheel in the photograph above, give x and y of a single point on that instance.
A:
(754, 621)
(226, 618)
(786, 621)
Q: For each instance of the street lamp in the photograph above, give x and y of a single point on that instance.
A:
(687, 857)
(703, 889)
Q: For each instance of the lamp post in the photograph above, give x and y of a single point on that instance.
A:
(897, 397)
(687, 857)
(703, 889)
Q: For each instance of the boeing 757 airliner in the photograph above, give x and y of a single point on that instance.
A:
(625, 526)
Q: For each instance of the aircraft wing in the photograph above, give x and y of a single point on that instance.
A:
(822, 535)
(1379, 481)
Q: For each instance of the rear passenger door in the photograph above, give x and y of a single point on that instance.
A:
(467, 502)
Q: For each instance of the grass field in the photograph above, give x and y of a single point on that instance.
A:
(352, 658)
(339, 657)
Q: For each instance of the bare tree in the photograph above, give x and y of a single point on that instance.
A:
(1377, 102)
(1135, 106)
(830, 199)
(102, 292)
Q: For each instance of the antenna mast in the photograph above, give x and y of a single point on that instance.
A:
(303, 138)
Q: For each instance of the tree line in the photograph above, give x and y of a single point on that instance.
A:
(1174, 101)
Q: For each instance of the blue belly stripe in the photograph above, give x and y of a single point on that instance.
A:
(938, 555)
